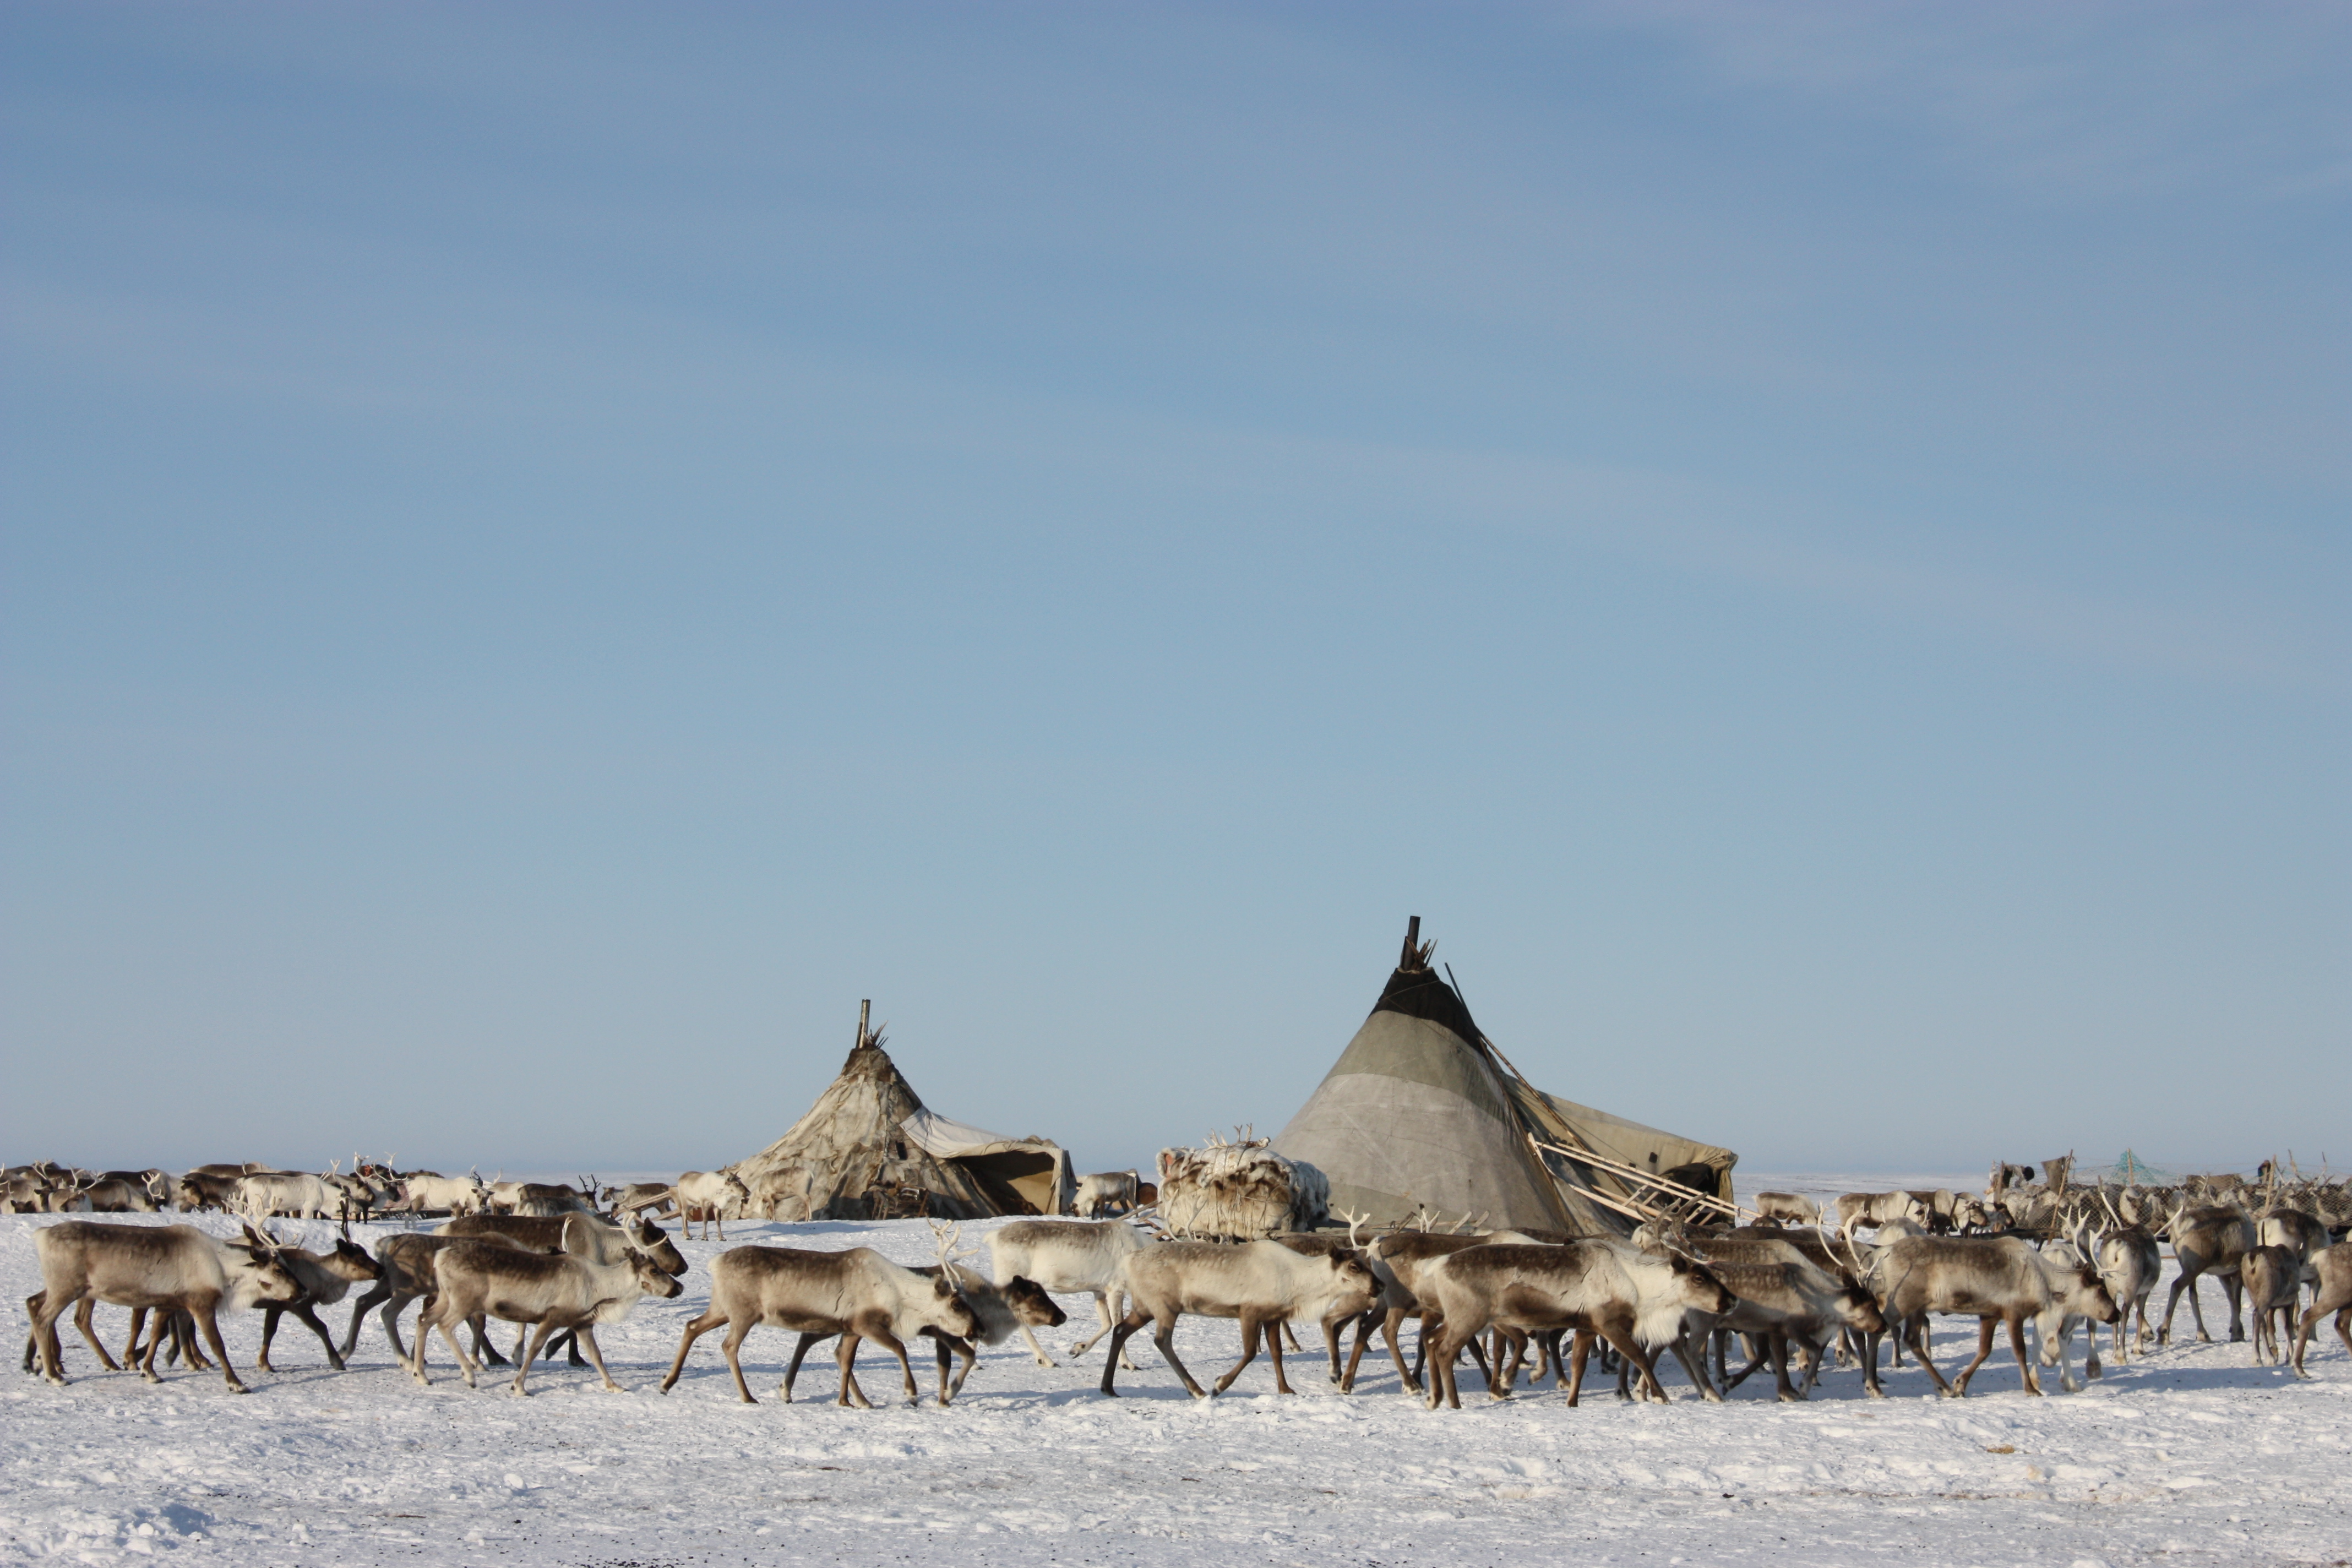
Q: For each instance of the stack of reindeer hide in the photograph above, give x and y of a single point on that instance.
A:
(1239, 1191)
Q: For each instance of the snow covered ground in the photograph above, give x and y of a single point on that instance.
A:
(2191, 1456)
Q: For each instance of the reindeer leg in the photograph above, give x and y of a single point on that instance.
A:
(711, 1318)
(1114, 1358)
(845, 1357)
(1250, 1329)
(1356, 1356)
(85, 1318)
(1912, 1325)
(1580, 1347)
(587, 1334)
(1984, 1350)
(800, 1348)
(1760, 1352)
(129, 1346)
(211, 1326)
(310, 1317)
(1779, 1345)
(378, 1293)
(2233, 1287)
(545, 1326)
(270, 1313)
(1627, 1347)
(390, 1316)
(1289, 1335)
(1163, 1334)
(1695, 1365)
(2024, 1364)
(890, 1341)
(45, 1330)
(1332, 1329)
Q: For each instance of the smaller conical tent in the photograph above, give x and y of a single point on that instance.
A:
(868, 1149)
(1421, 1113)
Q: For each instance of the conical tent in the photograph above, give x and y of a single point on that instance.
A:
(868, 1149)
(1421, 1112)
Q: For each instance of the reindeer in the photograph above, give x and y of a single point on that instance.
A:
(1397, 1259)
(592, 1236)
(646, 1197)
(1788, 1208)
(710, 1191)
(2272, 1279)
(2210, 1240)
(858, 1294)
(262, 1194)
(428, 1192)
(999, 1309)
(173, 1268)
(1633, 1299)
(1106, 1192)
(405, 1265)
(325, 1277)
(1261, 1283)
(554, 1290)
(2334, 1268)
(1876, 1208)
(2129, 1264)
(1074, 1256)
(1993, 1280)
(1798, 1294)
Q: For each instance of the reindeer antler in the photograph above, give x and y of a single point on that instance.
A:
(1355, 1221)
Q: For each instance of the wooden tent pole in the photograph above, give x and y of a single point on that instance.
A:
(865, 1014)
(1411, 943)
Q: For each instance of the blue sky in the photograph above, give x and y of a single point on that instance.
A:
(550, 550)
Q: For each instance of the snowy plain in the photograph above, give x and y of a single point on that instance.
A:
(2193, 1455)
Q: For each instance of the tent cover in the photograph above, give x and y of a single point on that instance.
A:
(1421, 1112)
(868, 1149)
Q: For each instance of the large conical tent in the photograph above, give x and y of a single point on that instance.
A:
(1421, 1113)
(868, 1149)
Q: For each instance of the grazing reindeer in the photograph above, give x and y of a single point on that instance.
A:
(554, 1290)
(171, 1268)
(1106, 1192)
(1072, 1256)
(1789, 1208)
(710, 1191)
(1262, 1283)
(2209, 1240)
(858, 1294)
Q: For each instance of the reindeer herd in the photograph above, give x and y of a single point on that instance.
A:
(1791, 1289)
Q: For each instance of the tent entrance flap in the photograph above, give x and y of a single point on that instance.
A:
(1019, 1181)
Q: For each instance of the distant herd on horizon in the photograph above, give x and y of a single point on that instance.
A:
(1784, 1288)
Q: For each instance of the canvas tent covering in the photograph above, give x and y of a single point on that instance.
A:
(1422, 1112)
(869, 1149)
